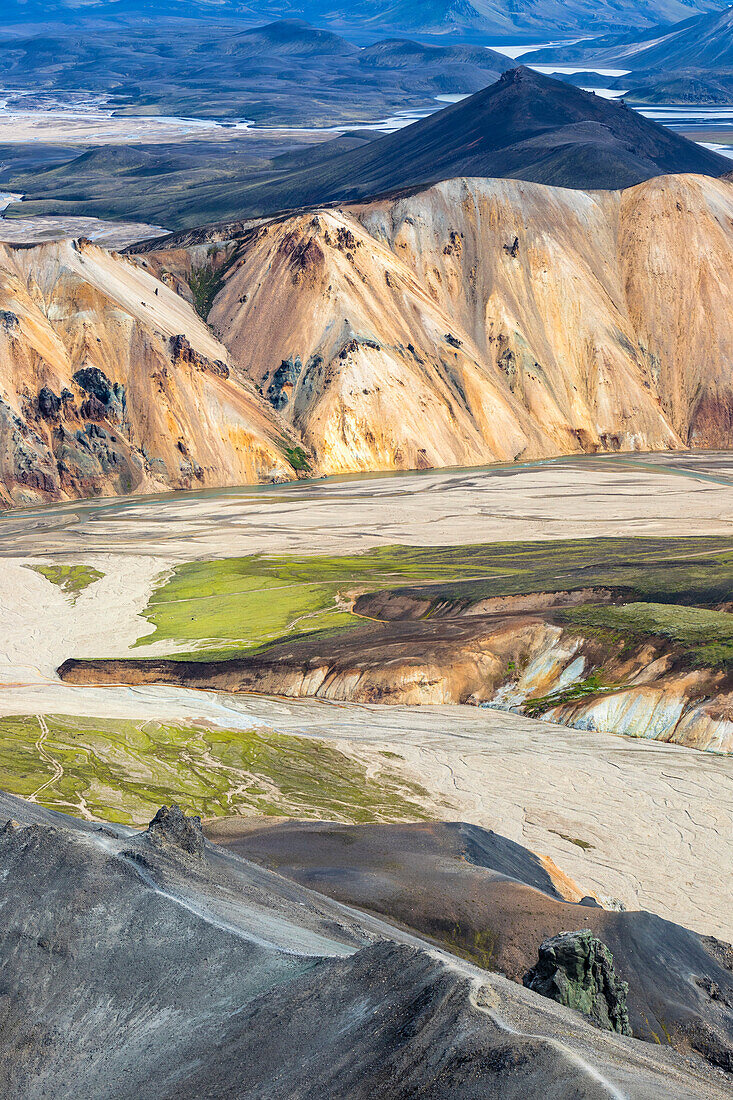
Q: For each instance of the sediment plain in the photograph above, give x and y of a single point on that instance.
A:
(630, 819)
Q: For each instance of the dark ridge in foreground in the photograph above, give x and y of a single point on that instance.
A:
(494, 902)
(132, 967)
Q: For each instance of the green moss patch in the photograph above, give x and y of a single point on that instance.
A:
(591, 685)
(123, 770)
(703, 635)
(71, 579)
(236, 605)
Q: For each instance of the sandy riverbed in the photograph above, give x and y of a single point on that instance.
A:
(653, 820)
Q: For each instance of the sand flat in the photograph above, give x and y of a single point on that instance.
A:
(594, 496)
(643, 822)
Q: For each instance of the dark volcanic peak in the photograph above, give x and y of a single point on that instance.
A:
(525, 126)
(292, 36)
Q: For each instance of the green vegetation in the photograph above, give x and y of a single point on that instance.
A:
(223, 608)
(71, 579)
(478, 945)
(686, 571)
(298, 459)
(122, 770)
(206, 282)
(704, 636)
(573, 840)
(591, 685)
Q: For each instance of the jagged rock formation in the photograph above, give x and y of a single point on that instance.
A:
(109, 383)
(576, 969)
(173, 827)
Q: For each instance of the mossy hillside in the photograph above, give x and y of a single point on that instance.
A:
(123, 770)
(71, 579)
(697, 571)
(205, 282)
(236, 605)
(703, 636)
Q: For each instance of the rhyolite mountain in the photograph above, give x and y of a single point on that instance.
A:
(475, 320)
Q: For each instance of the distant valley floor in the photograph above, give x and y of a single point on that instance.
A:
(77, 580)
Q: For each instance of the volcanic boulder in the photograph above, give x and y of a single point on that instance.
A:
(576, 969)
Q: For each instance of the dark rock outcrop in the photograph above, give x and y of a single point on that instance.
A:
(49, 404)
(106, 399)
(576, 969)
(182, 352)
(172, 826)
(284, 381)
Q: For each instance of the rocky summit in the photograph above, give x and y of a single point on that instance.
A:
(173, 827)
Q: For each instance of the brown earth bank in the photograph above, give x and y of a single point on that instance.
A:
(494, 902)
(526, 662)
(474, 321)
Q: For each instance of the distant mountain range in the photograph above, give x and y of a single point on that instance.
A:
(468, 18)
(703, 42)
(691, 62)
(286, 73)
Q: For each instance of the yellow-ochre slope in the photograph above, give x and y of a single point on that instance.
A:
(492, 319)
(473, 321)
(110, 383)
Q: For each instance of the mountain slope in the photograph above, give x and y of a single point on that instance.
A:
(475, 321)
(486, 320)
(110, 383)
(205, 975)
(494, 901)
(702, 42)
(523, 126)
